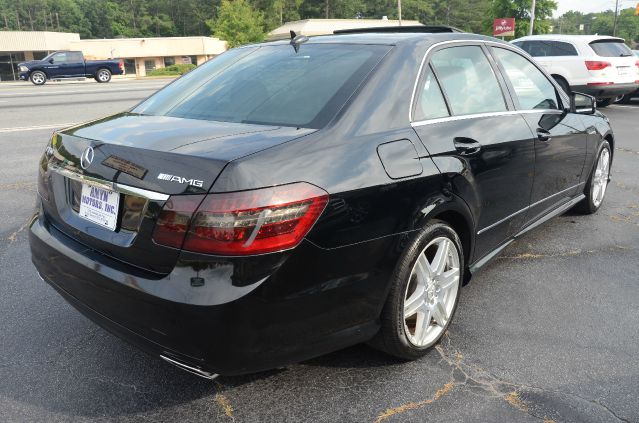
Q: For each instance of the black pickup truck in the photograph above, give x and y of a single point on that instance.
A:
(69, 64)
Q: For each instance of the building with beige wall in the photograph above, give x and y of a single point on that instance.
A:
(138, 54)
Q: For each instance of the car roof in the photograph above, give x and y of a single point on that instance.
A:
(391, 38)
(567, 37)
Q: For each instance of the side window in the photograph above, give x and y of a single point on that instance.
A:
(59, 58)
(430, 101)
(563, 49)
(539, 48)
(74, 57)
(532, 88)
(468, 80)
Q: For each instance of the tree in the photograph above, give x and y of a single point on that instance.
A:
(520, 10)
(238, 23)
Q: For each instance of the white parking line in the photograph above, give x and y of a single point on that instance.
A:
(619, 106)
(35, 128)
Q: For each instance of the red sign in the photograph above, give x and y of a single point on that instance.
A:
(504, 27)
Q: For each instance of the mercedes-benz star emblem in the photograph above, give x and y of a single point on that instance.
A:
(86, 158)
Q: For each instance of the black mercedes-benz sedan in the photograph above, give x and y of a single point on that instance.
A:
(292, 198)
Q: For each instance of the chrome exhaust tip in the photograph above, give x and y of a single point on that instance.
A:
(190, 369)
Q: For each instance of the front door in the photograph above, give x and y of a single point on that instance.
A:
(477, 140)
(560, 136)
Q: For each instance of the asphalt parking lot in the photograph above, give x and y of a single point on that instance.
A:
(548, 332)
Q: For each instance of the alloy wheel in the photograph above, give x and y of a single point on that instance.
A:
(431, 292)
(600, 178)
(103, 75)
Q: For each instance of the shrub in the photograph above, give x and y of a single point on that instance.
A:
(180, 69)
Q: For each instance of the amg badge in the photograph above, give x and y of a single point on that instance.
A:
(181, 180)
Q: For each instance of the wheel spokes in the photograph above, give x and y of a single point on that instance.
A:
(412, 304)
(441, 256)
(448, 279)
(439, 314)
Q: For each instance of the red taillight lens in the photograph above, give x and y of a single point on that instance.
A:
(637, 63)
(597, 65)
(174, 219)
(121, 65)
(247, 222)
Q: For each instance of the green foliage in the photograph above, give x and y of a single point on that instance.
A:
(600, 23)
(520, 10)
(238, 23)
(179, 69)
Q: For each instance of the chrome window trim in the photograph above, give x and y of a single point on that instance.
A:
(483, 115)
(476, 115)
(499, 222)
(111, 186)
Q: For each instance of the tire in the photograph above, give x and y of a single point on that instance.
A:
(413, 293)
(595, 190)
(103, 75)
(563, 84)
(38, 78)
(605, 102)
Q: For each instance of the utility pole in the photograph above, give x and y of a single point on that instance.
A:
(614, 26)
(399, 11)
(532, 17)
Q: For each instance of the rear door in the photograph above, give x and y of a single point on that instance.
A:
(476, 139)
(75, 64)
(560, 137)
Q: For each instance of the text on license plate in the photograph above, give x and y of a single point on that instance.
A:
(100, 206)
(623, 71)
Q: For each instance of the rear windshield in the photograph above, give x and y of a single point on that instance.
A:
(611, 48)
(269, 85)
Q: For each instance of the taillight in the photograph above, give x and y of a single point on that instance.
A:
(597, 65)
(121, 65)
(247, 222)
(173, 221)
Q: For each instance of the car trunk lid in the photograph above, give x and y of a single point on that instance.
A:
(143, 160)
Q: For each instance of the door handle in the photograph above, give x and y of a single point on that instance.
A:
(543, 135)
(466, 146)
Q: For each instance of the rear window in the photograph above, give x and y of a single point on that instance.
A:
(269, 85)
(611, 48)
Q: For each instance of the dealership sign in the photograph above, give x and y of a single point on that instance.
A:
(504, 27)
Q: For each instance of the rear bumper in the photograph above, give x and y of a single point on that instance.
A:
(606, 91)
(312, 301)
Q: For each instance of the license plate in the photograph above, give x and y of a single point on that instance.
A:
(100, 206)
(623, 71)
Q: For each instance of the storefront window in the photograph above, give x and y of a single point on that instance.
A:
(169, 61)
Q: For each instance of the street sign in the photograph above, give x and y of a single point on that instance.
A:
(504, 27)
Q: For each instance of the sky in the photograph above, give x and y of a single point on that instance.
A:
(587, 6)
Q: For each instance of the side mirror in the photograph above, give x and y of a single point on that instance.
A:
(583, 104)
(51, 60)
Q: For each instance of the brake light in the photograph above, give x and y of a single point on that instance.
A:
(637, 63)
(597, 84)
(173, 222)
(597, 65)
(242, 223)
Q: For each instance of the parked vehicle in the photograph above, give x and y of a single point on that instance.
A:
(599, 65)
(283, 201)
(635, 94)
(69, 64)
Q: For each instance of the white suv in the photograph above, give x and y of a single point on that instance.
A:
(599, 65)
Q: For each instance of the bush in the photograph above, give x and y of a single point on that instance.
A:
(180, 69)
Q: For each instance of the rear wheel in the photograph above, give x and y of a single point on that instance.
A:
(103, 75)
(597, 183)
(38, 78)
(424, 293)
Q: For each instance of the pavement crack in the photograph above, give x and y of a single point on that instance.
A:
(571, 253)
(389, 412)
(222, 401)
(28, 185)
(14, 235)
(476, 378)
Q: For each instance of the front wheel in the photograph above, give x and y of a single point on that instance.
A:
(103, 75)
(597, 183)
(38, 78)
(604, 102)
(424, 293)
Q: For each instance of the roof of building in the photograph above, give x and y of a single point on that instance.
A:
(328, 26)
